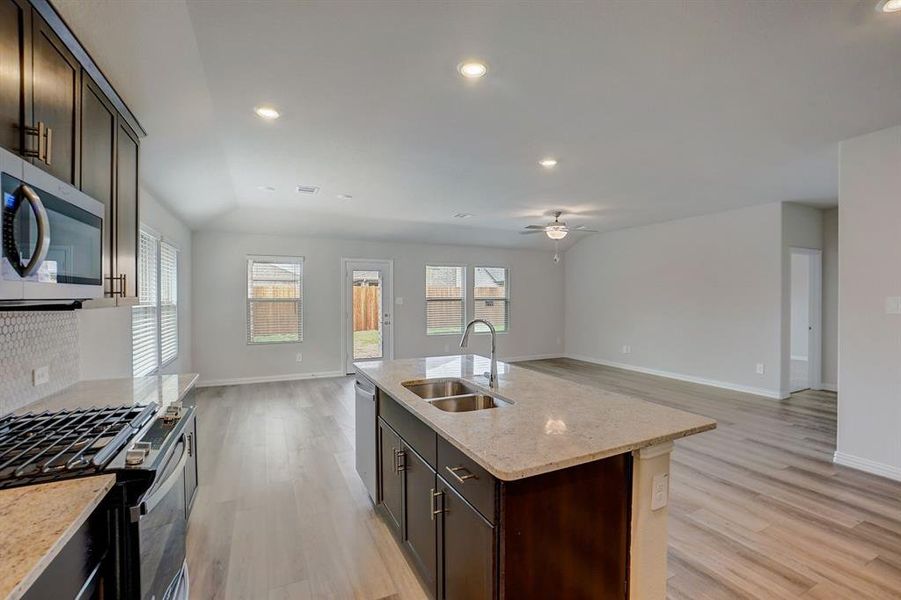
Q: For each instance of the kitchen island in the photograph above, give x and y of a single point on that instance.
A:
(539, 488)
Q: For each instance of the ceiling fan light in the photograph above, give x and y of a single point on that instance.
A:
(556, 233)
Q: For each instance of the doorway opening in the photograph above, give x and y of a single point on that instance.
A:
(367, 311)
(806, 319)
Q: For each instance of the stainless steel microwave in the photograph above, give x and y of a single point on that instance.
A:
(51, 239)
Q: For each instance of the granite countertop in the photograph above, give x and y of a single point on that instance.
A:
(36, 521)
(552, 424)
(125, 391)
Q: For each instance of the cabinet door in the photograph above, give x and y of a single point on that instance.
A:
(98, 135)
(55, 96)
(468, 549)
(15, 88)
(191, 465)
(126, 208)
(419, 517)
(391, 482)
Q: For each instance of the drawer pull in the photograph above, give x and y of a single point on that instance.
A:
(453, 472)
(433, 495)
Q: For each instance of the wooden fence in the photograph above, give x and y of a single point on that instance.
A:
(367, 304)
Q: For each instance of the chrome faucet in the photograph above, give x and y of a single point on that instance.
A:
(492, 376)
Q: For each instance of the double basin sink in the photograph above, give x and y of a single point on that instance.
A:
(454, 395)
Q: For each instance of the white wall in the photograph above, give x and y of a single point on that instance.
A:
(829, 374)
(800, 305)
(869, 406)
(221, 353)
(696, 298)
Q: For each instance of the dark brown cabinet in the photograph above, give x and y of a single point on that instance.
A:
(15, 55)
(466, 549)
(126, 211)
(55, 79)
(391, 483)
(98, 143)
(419, 514)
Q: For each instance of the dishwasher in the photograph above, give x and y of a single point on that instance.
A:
(366, 447)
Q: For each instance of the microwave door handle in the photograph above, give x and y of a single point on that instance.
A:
(43, 224)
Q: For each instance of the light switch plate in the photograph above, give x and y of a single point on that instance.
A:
(760, 368)
(660, 491)
(399, 301)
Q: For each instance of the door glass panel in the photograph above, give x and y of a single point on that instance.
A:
(367, 314)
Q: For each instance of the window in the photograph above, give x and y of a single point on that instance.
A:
(154, 321)
(445, 311)
(491, 297)
(274, 300)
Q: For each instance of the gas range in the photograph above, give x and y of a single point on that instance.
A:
(151, 452)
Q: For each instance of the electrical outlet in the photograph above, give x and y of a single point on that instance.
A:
(659, 491)
(627, 349)
(299, 357)
(760, 368)
(399, 301)
(893, 305)
(41, 375)
(559, 341)
(446, 348)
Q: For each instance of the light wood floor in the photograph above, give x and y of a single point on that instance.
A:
(757, 508)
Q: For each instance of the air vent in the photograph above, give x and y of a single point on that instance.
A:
(310, 190)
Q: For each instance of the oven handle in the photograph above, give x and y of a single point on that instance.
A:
(27, 194)
(161, 490)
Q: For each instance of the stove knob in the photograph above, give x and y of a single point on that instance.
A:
(134, 456)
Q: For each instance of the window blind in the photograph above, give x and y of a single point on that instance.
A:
(491, 299)
(274, 300)
(144, 320)
(445, 312)
(168, 302)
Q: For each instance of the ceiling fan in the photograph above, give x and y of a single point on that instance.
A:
(557, 229)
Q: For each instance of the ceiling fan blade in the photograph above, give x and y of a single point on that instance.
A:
(527, 231)
(584, 229)
(536, 227)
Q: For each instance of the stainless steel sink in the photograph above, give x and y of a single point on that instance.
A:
(468, 402)
(439, 388)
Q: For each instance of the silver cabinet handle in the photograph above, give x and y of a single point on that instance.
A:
(25, 194)
(48, 149)
(433, 496)
(453, 472)
(400, 460)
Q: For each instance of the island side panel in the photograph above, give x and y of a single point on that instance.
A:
(565, 534)
(650, 499)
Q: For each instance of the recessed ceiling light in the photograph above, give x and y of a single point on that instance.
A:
(462, 215)
(472, 69)
(345, 197)
(889, 6)
(265, 188)
(548, 163)
(266, 112)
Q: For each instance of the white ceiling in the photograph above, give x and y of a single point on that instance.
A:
(656, 109)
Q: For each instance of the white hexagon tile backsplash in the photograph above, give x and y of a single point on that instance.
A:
(30, 340)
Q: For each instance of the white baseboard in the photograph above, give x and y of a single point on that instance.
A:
(801, 358)
(268, 379)
(867, 465)
(765, 392)
(829, 387)
(531, 357)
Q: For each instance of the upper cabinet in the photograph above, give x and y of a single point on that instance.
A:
(15, 54)
(60, 113)
(55, 85)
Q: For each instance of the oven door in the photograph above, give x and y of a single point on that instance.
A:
(162, 527)
(52, 241)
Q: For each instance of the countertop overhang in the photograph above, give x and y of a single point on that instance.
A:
(552, 423)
